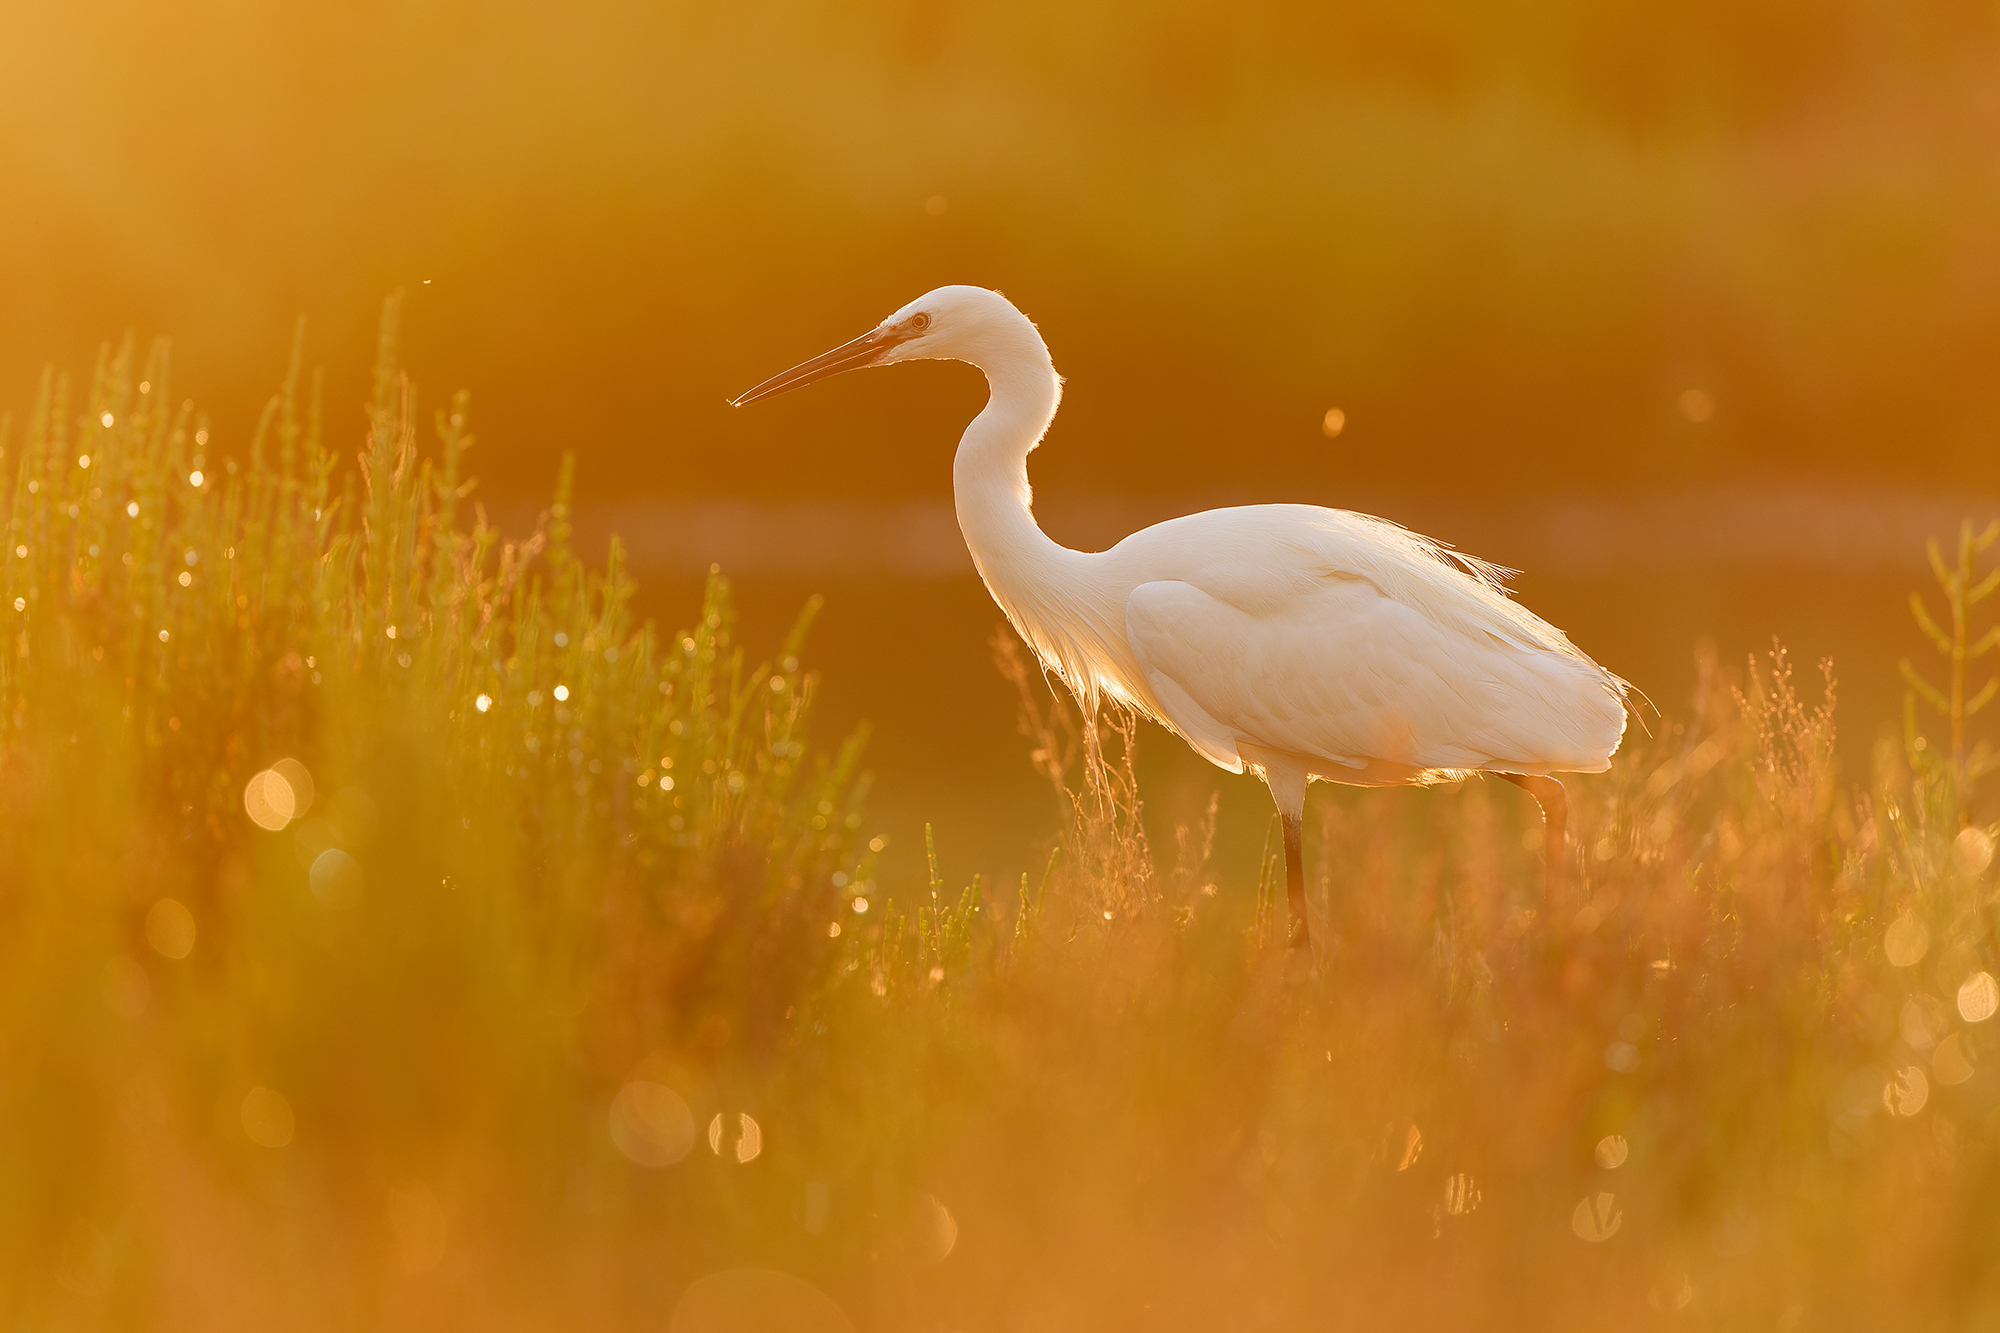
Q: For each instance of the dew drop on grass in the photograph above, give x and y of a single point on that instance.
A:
(483, 702)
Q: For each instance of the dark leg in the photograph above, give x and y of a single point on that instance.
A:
(1295, 882)
(1549, 795)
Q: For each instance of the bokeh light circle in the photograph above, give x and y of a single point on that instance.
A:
(269, 800)
(300, 780)
(267, 1118)
(756, 1300)
(1596, 1218)
(125, 987)
(1906, 941)
(1951, 1064)
(743, 1144)
(336, 878)
(650, 1124)
(170, 929)
(1978, 997)
(1972, 851)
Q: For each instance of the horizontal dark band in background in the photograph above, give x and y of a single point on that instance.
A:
(1580, 536)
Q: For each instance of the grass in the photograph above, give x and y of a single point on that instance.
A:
(549, 982)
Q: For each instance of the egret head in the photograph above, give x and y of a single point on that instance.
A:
(951, 323)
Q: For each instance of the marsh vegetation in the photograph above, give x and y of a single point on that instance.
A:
(394, 933)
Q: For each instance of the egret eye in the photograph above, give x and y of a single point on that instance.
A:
(920, 321)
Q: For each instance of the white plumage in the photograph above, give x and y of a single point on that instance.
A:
(1292, 640)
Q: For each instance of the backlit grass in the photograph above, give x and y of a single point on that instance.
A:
(394, 933)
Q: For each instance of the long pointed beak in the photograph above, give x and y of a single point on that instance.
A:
(848, 356)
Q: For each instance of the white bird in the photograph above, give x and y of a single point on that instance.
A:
(1295, 641)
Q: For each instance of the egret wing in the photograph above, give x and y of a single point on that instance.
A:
(1335, 670)
(1159, 619)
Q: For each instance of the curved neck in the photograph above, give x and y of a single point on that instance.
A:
(990, 472)
(1057, 599)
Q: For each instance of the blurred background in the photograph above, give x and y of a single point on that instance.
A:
(1691, 313)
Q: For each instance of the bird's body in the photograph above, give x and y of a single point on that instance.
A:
(1298, 641)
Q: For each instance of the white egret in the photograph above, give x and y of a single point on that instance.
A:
(1295, 641)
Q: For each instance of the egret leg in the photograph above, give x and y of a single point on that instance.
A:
(1295, 880)
(1286, 776)
(1549, 795)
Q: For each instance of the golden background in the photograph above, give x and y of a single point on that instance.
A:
(1505, 240)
